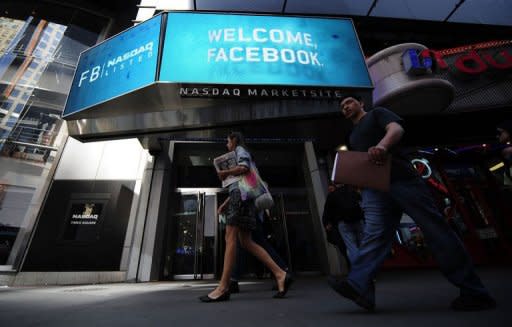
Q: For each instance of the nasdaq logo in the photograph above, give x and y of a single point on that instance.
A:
(120, 62)
(117, 66)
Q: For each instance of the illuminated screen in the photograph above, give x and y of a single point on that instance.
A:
(117, 66)
(262, 50)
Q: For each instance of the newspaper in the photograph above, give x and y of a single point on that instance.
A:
(226, 161)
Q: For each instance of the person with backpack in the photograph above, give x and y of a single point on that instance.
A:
(343, 220)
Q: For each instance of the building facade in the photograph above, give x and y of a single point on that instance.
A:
(126, 189)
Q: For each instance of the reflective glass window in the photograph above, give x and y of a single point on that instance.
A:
(38, 56)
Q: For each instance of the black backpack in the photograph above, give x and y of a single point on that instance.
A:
(348, 204)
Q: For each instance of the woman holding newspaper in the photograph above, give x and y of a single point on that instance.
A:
(240, 220)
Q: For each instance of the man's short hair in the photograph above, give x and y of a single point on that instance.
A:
(355, 96)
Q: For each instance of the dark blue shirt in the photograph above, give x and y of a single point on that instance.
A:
(371, 129)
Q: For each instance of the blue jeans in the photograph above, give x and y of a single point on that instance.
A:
(352, 233)
(382, 215)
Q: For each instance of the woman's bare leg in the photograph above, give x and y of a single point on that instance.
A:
(262, 255)
(229, 261)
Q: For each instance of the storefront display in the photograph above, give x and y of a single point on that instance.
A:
(472, 202)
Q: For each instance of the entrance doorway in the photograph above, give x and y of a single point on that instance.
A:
(194, 244)
(191, 238)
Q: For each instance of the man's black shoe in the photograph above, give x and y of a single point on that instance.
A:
(343, 288)
(233, 287)
(473, 303)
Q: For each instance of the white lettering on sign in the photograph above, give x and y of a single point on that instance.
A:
(236, 92)
(130, 54)
(254, 54)
(117, 63)
(77, 216)
(260, 35)
(291, 47)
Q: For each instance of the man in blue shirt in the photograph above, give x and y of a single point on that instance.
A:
(379, 132)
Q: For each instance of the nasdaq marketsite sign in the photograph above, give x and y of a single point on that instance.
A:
(189, 70)
(220, 55)
(119, 65)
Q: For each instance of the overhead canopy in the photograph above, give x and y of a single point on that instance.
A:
(194, 69)
(490, 12)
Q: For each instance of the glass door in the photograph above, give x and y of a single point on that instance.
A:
(182, 257)
(191, 237)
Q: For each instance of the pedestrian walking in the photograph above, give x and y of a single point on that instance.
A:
(379, 132)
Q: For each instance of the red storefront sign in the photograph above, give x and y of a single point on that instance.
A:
(471, 62)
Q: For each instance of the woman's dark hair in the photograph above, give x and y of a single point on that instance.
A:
(238, 137)
(240, 141)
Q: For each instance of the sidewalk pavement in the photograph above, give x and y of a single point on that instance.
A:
(404, 298)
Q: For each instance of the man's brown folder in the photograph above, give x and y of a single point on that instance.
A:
(354, 168)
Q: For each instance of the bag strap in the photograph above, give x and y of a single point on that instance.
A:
(265, 185)
(258, 176)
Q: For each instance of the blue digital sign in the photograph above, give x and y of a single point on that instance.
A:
(115, 67)
(262, 50)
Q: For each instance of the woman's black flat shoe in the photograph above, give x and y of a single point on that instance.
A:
(223, 297)
(288, 280)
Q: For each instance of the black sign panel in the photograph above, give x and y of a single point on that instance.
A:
(83, 220)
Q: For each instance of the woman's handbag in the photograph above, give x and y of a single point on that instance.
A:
(265, 200)
(253, 187)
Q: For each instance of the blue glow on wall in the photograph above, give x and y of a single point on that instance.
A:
(262, 50)
(119, 65)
